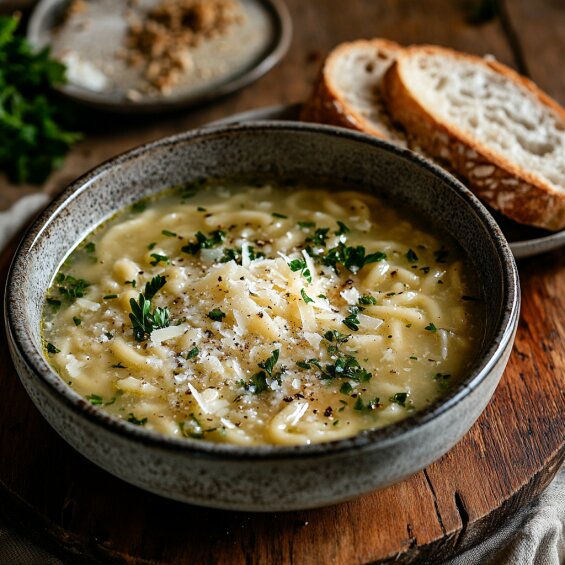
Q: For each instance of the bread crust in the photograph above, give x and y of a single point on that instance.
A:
(505, 186)
(326, 104)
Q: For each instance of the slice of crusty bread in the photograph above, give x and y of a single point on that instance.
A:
(348, 90)
(491, 125)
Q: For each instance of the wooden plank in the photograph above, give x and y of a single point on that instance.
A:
(540, 32)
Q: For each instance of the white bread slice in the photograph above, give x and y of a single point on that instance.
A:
(348, 89)
(492, 126)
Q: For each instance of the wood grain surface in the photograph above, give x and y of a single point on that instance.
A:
(84, 515)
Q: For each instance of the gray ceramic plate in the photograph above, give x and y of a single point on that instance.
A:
(524, 241)
(219, 65)
(262, 478)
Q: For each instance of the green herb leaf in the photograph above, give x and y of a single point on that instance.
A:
(34, 138)
(70, 287)
(157, 258)
(411, 256)
(154, 286)
(77, 321)
(367, 299)
(168, 233)
(193, 353)
(216, 314)
(51, 349)
(110, 296)
(399, 398)
(346, 388)
(352, 321)
(214, 239)
(319, 238)
(152, 245)
(133, 420)
(343, 229)
(95, 399)
(306, 224)
(139, 206)
(277, 215)
(90, 247)
(431, 327)
(305, 297)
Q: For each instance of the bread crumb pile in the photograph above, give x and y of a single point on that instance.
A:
(162, 39)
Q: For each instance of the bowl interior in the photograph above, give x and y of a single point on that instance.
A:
(281, 150)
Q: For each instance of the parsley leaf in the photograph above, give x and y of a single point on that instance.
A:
(202, 242)
(216, 314)
(154, 286)
(411, 256)
(159, 259)
(52, 349)
(343, 229)
(319, 238)
(133, 420)
(367, 299)
(258, 382)
(399, 398)
(33, 119)
(305, 297)
(301, 265)
(431, 327)
(352, 321)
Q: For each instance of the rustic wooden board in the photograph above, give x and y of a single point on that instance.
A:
(84, 515)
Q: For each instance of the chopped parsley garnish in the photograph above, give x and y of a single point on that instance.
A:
(399, 398)
(202, 242)
(235, 254)
(306, 224)
(343, 229)
(441, 255)
(110, 296)
(193, 353)
(319, 238)
(411, 256)
(54, 303)
(119, 365)
(191, 428)
(277, 215)
(258, 382)
(52, 349)
(301, 265)
(143, 320)
(413, 357)
(334, 335)
(308, 364)
(133, 420)
(153, 286)
(370, 405)
(90, 247)
(139, 206)
(346, 388)
(216, 314)
(442, 380)
(132, 282)
(352, 258)
(77, 321)
(157, 258)
(168, 233)
(367, 299)
(200, 209)
(151, 245)
(70, 287)
(352, 321)
(431, 327)
(95, 399)
(305, 297)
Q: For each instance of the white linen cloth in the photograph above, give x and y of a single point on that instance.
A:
(534, 536)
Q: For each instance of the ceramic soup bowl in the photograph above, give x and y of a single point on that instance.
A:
(261, 478)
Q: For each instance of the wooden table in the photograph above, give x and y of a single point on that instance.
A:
(508, 457)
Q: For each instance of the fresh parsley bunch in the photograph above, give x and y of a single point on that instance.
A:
(33, 138)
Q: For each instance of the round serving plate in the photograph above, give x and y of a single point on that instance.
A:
(94, 38)
(525, 241)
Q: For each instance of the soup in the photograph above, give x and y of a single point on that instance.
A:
(254, 313)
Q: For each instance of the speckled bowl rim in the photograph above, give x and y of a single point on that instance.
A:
(34, 359)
